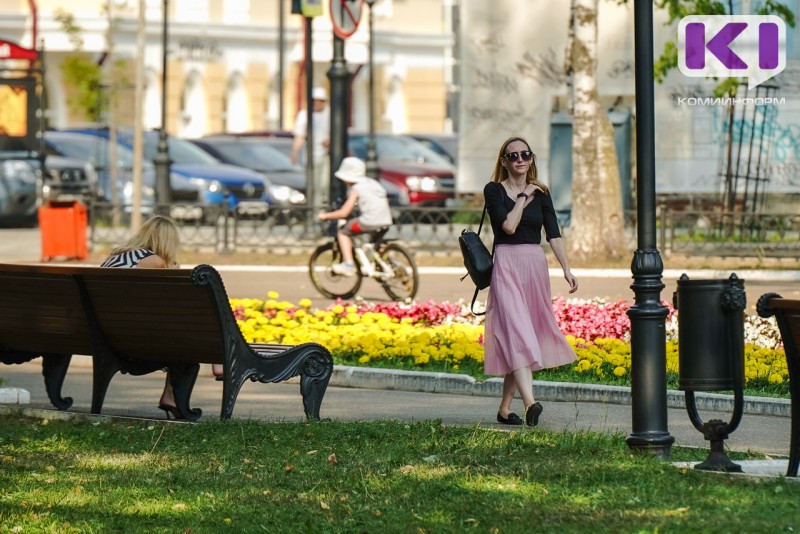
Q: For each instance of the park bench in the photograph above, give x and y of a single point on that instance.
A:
(787, 314)
(137, 321)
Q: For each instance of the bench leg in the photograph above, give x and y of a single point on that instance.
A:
(314, 378)
(182, 379)
(54, 370)
(794, 438)
(103, 370)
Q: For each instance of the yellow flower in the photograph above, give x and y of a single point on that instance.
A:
(273, 295)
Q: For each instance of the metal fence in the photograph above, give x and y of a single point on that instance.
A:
(435, 230)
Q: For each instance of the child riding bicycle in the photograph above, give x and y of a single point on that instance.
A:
(375, 214)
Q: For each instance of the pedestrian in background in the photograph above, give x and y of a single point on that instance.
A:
(321, 139)
(521, 331)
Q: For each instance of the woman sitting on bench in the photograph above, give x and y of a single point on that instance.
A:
(154, 246)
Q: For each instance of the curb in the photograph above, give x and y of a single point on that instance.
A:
(14, 396)
(428, 382)
(746, 274)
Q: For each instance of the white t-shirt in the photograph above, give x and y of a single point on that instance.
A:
(321, 129)
(373, 203)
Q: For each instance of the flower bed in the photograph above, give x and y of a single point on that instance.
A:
(447, 337)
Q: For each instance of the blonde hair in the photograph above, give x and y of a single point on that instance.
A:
(158, 234)
(500, 173)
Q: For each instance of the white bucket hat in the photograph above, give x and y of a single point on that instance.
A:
(319, 93)
(352, 170)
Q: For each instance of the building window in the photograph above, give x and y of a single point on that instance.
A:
(191, 10)
(236, 11)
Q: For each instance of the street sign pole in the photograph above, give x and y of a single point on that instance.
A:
(339, 77)
(345, 15)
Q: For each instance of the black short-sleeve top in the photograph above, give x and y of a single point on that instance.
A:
(537, 214)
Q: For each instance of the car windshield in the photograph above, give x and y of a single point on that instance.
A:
(180, 150)
(254, 155)
(396, 148)
(90, 148)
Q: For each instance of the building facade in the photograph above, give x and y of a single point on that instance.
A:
(238, 65)
(485, 70)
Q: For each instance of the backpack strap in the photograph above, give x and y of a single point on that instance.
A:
(472, 306)
(475, 295)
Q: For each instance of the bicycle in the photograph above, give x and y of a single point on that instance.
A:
(375, 257)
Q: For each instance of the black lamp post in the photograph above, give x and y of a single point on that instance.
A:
(372, 152)
(648, 335)
(162, 161)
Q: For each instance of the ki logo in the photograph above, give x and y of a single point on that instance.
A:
(725, 46)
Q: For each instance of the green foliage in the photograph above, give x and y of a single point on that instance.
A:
(85, 77)
(82, 74)
(378, 476)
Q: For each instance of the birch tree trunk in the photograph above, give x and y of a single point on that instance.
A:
(597, 223)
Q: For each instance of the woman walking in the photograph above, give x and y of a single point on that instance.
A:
(521, 331)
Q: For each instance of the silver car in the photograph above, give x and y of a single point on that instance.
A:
(19, 189)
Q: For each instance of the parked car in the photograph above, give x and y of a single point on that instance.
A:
(446, 145)
(273, 160)
(410, 172)
(288, 180)
(95, 150)
(425, 177)
(198, 178)
(29, 178)
(18, 193)
(62, 178)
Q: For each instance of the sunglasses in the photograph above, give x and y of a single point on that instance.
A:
(526, 155)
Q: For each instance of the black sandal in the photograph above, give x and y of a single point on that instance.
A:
(532, 413)
(512, 419)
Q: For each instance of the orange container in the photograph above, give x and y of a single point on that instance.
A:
(63, 228)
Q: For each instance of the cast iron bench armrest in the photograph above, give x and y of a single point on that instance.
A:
(787, 315)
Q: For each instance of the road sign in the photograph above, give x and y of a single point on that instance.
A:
(345, 15)
(307, 8)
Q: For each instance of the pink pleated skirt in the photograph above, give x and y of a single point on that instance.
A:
(520, 328)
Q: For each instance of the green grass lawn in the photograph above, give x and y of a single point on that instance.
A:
(249, 476)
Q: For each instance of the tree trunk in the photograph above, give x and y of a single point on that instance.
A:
(597, 221)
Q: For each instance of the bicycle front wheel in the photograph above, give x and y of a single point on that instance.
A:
(326, 281)
(405, 280)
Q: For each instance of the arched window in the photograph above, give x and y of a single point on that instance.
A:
(152, 101)
(237, 112)
(193, 107)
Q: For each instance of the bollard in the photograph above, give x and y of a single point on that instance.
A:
(711, 355)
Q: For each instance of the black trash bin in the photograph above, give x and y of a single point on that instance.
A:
(711, 355)
(710, 333)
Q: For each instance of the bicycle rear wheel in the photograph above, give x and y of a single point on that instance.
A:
(326, 281)
(403, 285)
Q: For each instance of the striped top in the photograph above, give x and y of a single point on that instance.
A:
(127, 259)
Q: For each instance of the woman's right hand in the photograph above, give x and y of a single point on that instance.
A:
(531, 189)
